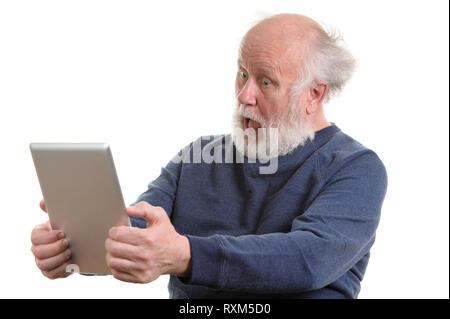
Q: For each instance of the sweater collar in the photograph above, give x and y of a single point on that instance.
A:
(300, 153)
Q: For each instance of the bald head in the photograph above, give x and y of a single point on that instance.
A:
(314, 54)
(289, 38)
(288, 24)
(287, 30)
(288, 65)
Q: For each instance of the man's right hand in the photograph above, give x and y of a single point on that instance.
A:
(50, 249)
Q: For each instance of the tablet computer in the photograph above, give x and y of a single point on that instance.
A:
(82, 196)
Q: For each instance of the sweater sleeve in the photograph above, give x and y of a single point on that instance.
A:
(161, 192)
(325, 241)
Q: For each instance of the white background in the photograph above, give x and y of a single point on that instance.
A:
(148, 77)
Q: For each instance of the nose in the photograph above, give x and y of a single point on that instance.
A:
(247, 94)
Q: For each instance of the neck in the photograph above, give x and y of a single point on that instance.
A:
(319, 120)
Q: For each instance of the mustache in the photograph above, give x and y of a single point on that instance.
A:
(245, 112)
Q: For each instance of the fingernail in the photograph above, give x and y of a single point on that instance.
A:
(61, 235)
(66, 243)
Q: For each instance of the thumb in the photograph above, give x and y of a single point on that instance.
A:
(144, 210)
(42, 205)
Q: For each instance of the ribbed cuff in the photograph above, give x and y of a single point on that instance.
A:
(206, 262)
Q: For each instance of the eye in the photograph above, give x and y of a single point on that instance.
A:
(244, 74)
(266, 82)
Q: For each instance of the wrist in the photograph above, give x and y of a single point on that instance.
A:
(183, 262)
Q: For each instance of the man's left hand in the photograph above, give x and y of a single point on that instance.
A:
(142, 255)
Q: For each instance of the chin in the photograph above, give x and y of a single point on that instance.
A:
(279, 138)
(256, 144)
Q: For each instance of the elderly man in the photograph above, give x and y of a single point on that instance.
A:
(223, 228)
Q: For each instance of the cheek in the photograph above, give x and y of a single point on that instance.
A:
(274, 105)
(301, 102)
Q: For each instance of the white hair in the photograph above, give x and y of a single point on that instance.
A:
(326, 60)
(279, 135)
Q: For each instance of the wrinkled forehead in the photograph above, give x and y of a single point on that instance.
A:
(283, 52)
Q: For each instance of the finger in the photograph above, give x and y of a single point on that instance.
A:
(67, 274)
(49, 250)
(146, 211)
(42, 234)
(123, 276)
(121, 250)
(44, 226)
(140, 210)
(58, 272)
(51, 263)
(42, 205)
(127, 235)
(122, 265)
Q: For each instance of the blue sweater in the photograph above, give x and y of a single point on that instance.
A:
(303, 232)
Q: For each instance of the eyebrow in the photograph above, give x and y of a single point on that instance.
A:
(266, 68)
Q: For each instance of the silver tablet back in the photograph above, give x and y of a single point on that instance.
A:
(83, 197)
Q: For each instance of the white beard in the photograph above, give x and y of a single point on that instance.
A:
(276, 137)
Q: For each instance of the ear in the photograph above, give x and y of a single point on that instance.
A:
(316, 93)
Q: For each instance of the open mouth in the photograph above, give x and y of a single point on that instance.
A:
(249, 123)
